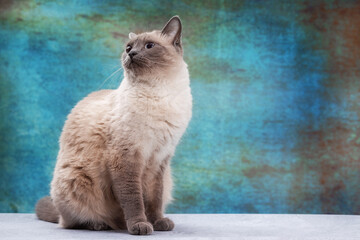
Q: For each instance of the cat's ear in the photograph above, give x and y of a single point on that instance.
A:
(132, 35)
(172, 30)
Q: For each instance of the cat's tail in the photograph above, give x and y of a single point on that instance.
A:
(46, 211)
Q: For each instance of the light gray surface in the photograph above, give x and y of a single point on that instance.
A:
(200, 226)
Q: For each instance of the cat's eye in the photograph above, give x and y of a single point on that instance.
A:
(149, 45)
(128, 48)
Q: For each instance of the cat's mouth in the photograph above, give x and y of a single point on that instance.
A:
(132, 63)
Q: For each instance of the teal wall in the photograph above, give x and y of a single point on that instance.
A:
(276, 87)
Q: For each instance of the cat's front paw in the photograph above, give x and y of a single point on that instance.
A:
(164, 224)
(140, 228)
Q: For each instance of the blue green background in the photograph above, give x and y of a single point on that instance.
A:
(276, 87)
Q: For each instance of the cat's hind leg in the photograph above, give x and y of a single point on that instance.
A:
(80, 202)
(75, 224)
(71, 220)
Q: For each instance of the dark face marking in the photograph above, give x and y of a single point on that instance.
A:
(145, 55)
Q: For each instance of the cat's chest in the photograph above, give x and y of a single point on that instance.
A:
(166, 111)
(155, 124)
(166, 117)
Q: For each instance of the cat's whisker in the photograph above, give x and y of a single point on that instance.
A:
(116, 79)
(144, 63)
(120, 68)
(157, 62)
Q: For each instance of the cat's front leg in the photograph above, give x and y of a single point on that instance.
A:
(154, 203)
(126, 184)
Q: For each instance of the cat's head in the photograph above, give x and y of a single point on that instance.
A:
(153, 53)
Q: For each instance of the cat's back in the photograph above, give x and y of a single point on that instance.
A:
(93, 103)
(86, 125)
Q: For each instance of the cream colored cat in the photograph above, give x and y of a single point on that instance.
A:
(113, 167)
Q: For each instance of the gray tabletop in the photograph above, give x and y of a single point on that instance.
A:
(200, 226)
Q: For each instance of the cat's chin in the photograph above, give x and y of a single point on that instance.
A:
(135, 75)
(133, 71)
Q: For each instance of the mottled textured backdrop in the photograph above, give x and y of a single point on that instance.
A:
(276, 87)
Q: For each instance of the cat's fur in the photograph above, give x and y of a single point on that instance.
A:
(113, 167)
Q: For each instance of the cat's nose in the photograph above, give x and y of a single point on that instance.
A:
(132, 54)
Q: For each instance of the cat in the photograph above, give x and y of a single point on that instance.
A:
(113, 166)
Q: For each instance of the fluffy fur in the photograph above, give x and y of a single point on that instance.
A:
(113, 167)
